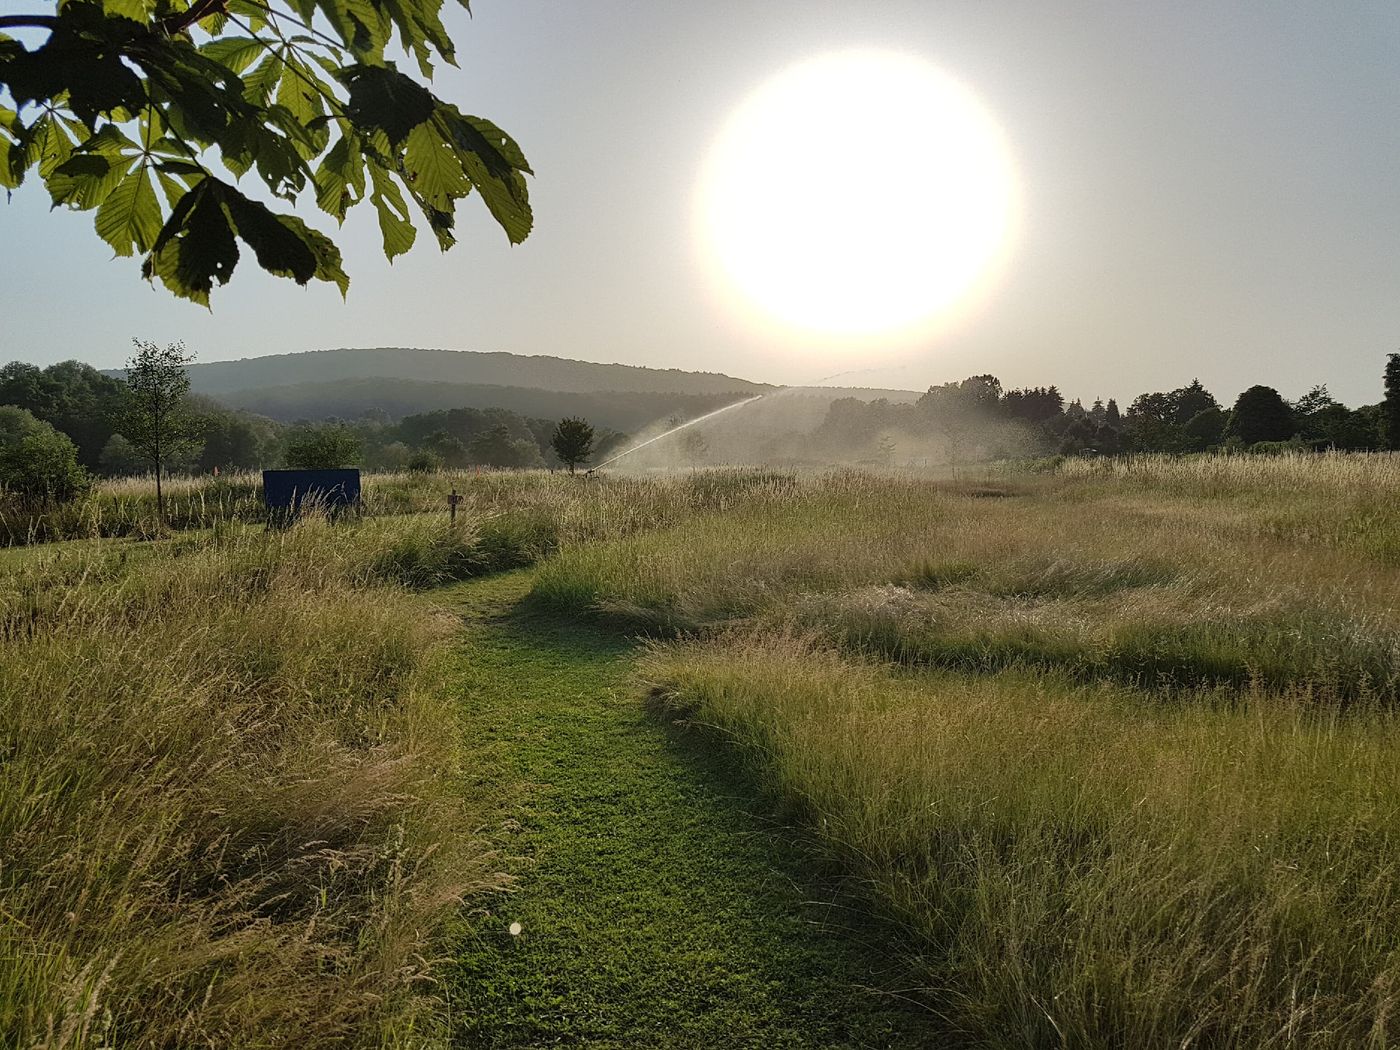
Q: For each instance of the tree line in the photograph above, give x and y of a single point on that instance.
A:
(68, 423)
(978, 418)
(63, 425)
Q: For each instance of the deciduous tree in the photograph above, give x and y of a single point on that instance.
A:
(149, 111)
(572, 441)
(1204, 429)
(1260, 414)
(497, 448)
(156, 418)
(325, 446)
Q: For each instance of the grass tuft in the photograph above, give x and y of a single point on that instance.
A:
(230, 806)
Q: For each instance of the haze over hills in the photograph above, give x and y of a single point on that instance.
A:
(220, 378)
(397, 381)
(396, 398)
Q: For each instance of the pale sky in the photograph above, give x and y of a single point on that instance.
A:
(1208, 190)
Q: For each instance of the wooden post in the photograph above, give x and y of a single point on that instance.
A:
(452, 502)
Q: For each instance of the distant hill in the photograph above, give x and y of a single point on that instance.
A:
(353, 398)
(399, 382)
(220, 378)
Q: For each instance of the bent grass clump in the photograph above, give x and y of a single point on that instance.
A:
(1086, 867)
(231, 811)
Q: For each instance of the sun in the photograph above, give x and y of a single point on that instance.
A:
(858, 194)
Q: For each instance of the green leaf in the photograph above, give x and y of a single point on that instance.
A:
(328, 263)
(214, 24)
(364, 26)
(201, 99)
(299, 97)
(236, 52)
(507, 199)
(394, 224)
(82, 62)
(106, 74)
(85, 180)
(196, 247)
(382, 97)
(12, 166)
(494, 163)
(280, 249)
(47, 145)
(340, 180)
(250, 13)
(420, 29)
(175, 183)
(262, 81)
(281, 162)
(111, 141)
(301, 94)
(440, 222)
(136, 10)
(432, 167)
(12, 163)
(498, 141)
(129, 218)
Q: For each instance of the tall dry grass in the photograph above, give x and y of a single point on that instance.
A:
(1150, 589)
(1083, 867)
(1341, 499)
(231, 793)
(232, 807)
(1148, 794)
(547, 508)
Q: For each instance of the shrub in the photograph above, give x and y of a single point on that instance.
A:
(36, 461)
(424, 462)
(323, 447)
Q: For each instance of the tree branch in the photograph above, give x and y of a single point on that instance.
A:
(198, 10)
(28, 21)
(174, 24)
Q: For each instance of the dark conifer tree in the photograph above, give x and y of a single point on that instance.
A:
(1390, 407)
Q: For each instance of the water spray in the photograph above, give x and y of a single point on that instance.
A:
(689, 423)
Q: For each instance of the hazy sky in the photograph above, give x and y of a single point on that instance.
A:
(1208, 189)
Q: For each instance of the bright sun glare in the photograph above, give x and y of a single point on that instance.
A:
(862, 193)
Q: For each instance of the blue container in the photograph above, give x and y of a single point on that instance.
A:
(336, 491)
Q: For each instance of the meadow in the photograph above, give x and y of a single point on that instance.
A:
(1117, 743)
(1112, 744)
(234, 806)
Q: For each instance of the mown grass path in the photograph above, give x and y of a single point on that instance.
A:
(659, 907)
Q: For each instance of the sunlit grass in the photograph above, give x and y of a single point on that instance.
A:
(1084, 866)
(558, 507)
(1116, 742)
(1150, 593)
(1119, 746)
(229, 794)
(232, 799)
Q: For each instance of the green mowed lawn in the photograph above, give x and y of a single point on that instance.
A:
(660, 903)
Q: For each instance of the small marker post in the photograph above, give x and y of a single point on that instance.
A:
(452, 500)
